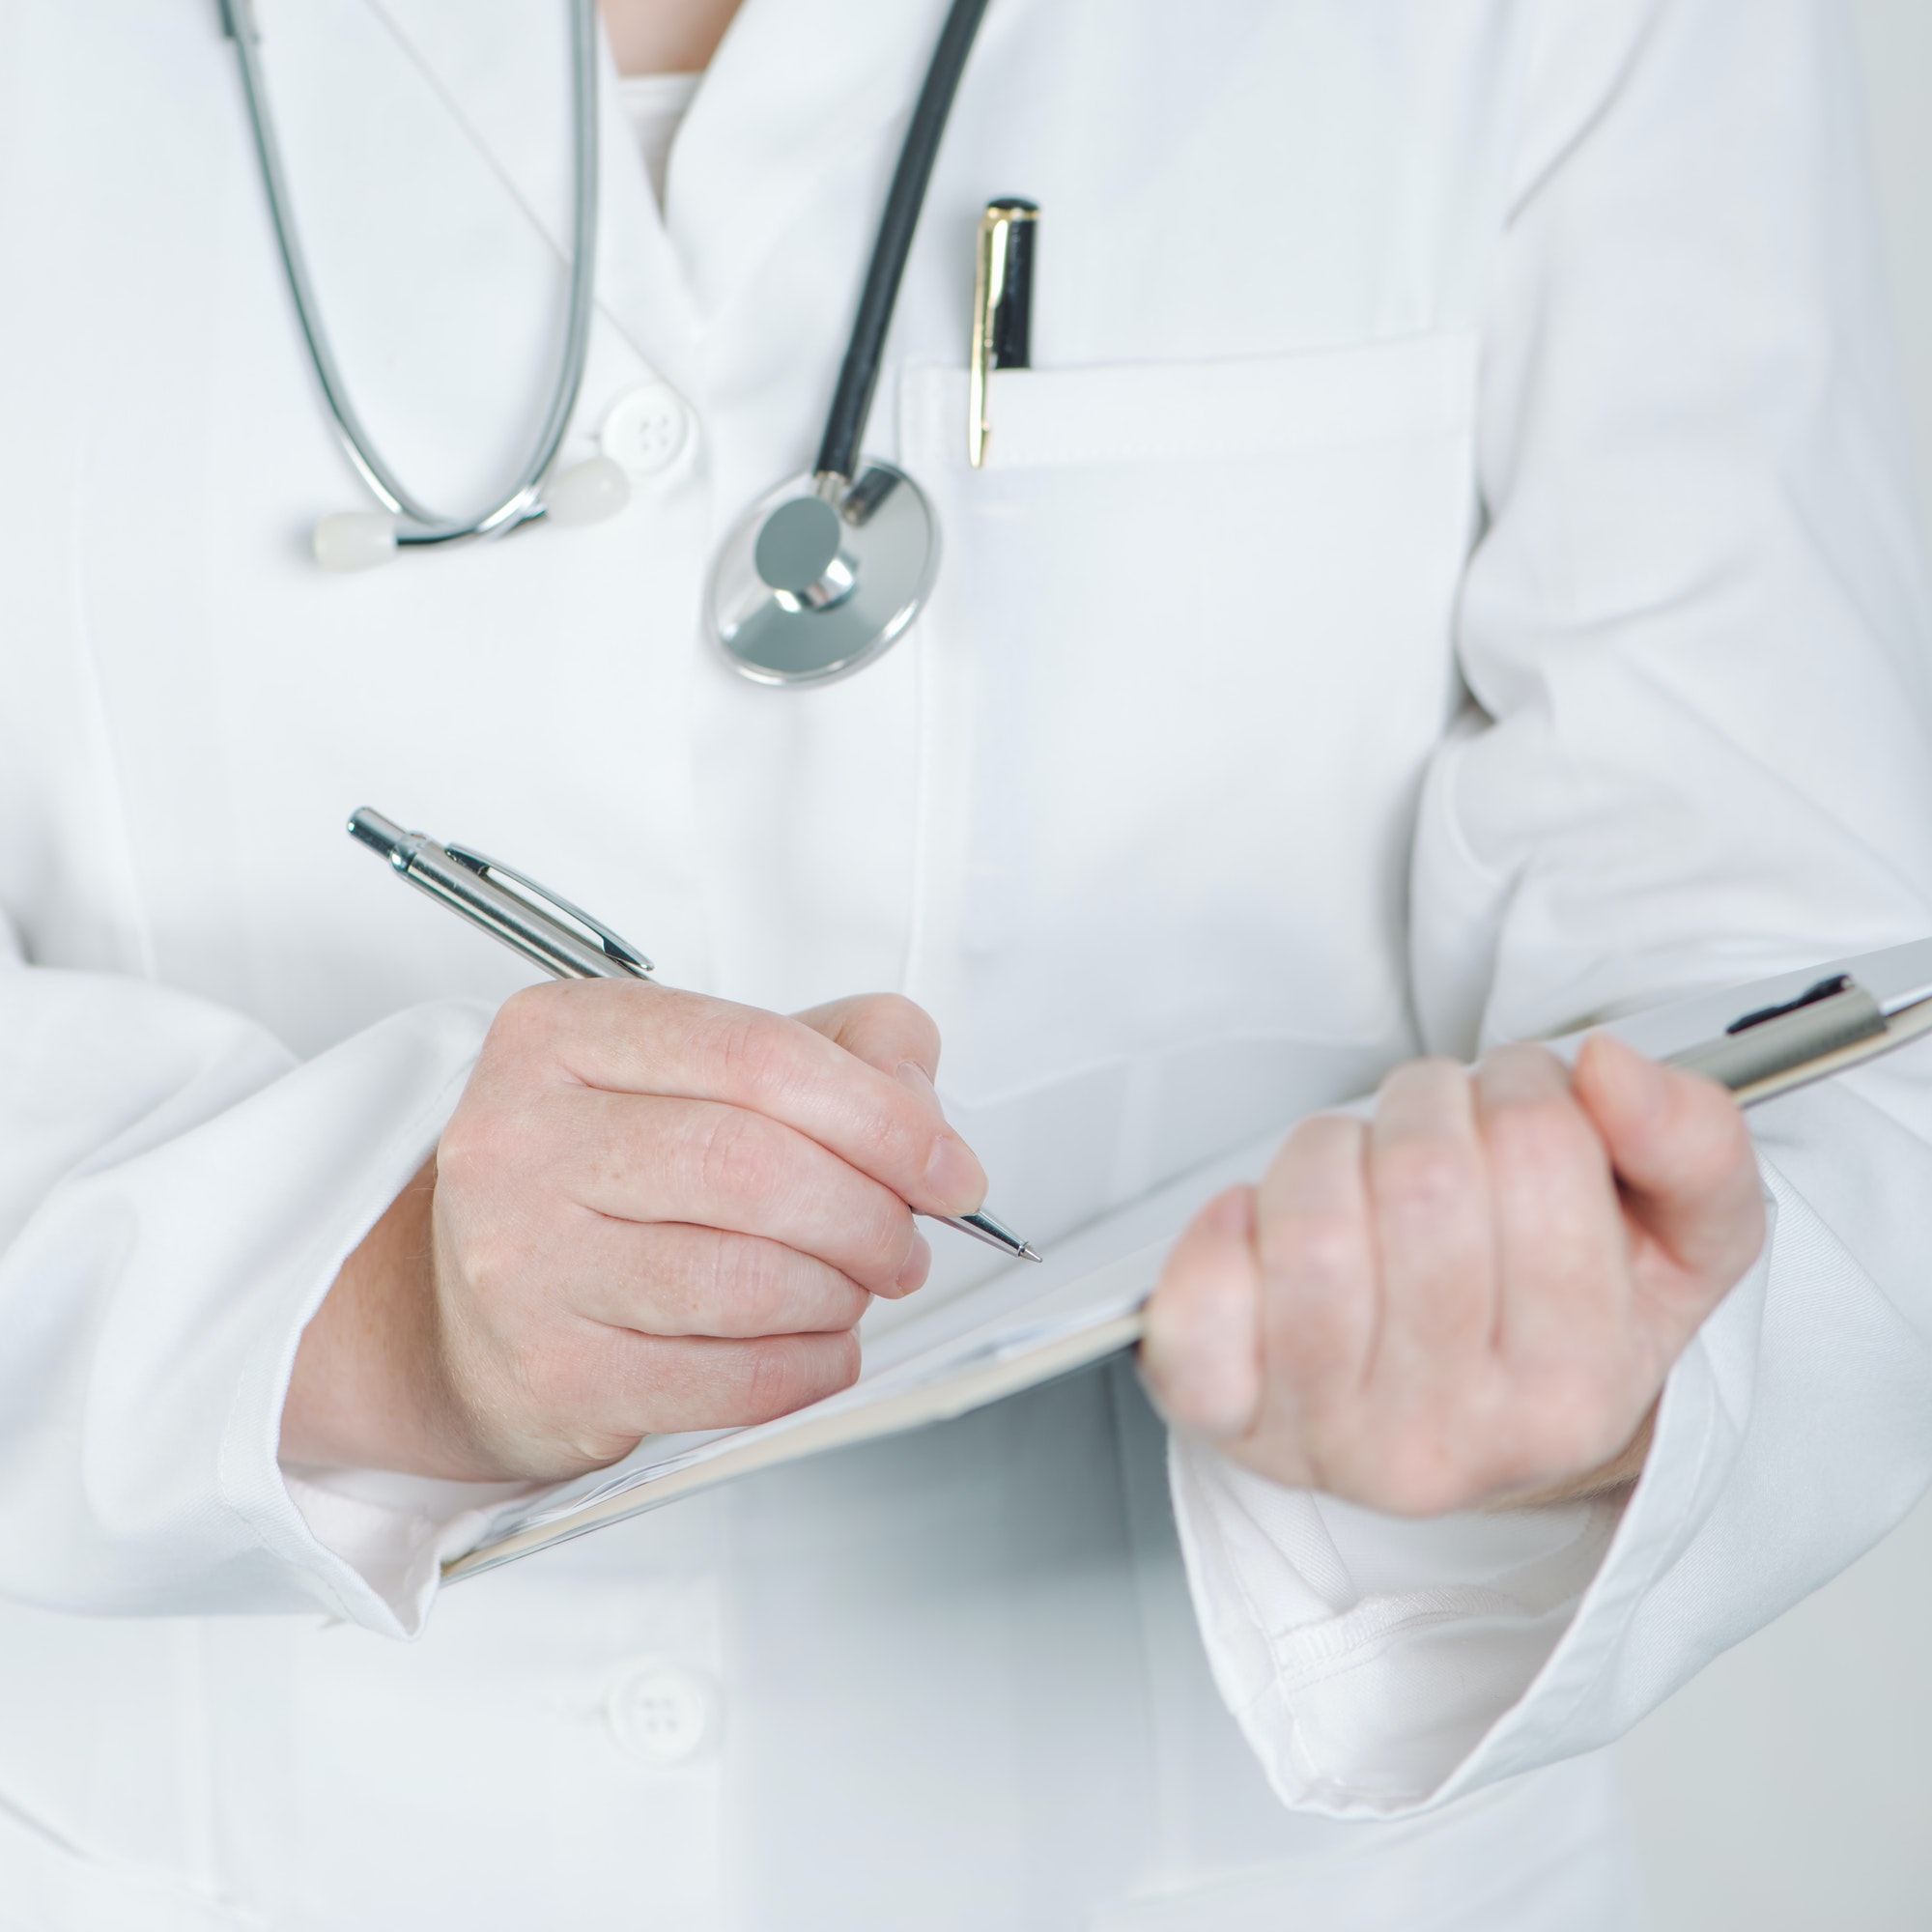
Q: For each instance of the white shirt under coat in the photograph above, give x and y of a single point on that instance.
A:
(1449, 575)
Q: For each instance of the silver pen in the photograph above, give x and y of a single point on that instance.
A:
(561, 938)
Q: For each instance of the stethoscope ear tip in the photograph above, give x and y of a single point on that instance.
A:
(586, 492)
(355, 540)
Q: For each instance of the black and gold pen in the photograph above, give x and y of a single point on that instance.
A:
(1001, 309)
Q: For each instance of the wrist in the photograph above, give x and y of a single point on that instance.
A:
(1620, 1472)
(363, 1393)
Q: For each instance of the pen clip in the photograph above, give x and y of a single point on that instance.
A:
(541, 899)
(1001, 281)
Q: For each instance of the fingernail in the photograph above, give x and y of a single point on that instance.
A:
(954, 1177)
(917, 1262)
(911, 1075)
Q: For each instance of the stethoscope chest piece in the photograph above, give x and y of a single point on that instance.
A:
(824, 575)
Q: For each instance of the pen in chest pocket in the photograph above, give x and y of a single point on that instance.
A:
(561, 938)
(1002, 309)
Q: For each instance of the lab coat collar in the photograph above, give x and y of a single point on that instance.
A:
(641, 289)
(795, 86)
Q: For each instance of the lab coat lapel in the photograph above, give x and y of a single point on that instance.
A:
(795, 88)
(640, 285)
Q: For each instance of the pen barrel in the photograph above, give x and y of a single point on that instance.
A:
(505, 917)
(1775, 1047)
(1002, 309)
(1011, 331)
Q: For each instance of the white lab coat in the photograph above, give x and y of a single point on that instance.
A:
(1449, 575)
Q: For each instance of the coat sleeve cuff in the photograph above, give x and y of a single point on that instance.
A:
(157, 1291)
(368, 1544)
(1379, 1665)
(1366, 1656)
(388, 1536)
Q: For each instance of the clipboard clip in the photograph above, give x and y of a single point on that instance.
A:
(1833, 1025)
(1825, 989)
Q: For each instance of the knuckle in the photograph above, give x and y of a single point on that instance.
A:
(732, 1158)
(754, 1050)
(771, 1378)
(1422, 1176)
(526, 1022)
(458, 1150)
(835, 1309)
(1544, 1135)
(1315, 1252)
(1536, 1118)
(490, 1272)
(884, 1142)
(753, 1283)
(732, 1286)
(480, 1141)
(755, 1290)
(783, 1374)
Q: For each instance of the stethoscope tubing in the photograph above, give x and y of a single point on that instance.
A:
(420, 524)
(771, 631)
(859, 375)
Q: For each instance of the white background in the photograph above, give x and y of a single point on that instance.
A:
(1790, 1786)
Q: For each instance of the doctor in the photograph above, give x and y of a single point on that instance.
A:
(1448, 576)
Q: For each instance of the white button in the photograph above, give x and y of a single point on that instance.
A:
(648, 430)
(661, 1713)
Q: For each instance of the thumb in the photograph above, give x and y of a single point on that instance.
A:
(1682, 1153)
(1201, 1347)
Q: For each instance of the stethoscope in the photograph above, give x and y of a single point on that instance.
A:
(824, 571)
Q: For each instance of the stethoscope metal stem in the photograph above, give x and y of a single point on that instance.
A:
(519, 503)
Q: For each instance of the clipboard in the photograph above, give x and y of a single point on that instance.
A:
(1030, 1325)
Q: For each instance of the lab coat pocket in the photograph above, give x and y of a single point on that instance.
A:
(1189, 651)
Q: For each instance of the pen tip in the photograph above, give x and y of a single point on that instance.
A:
(1029, 1253)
